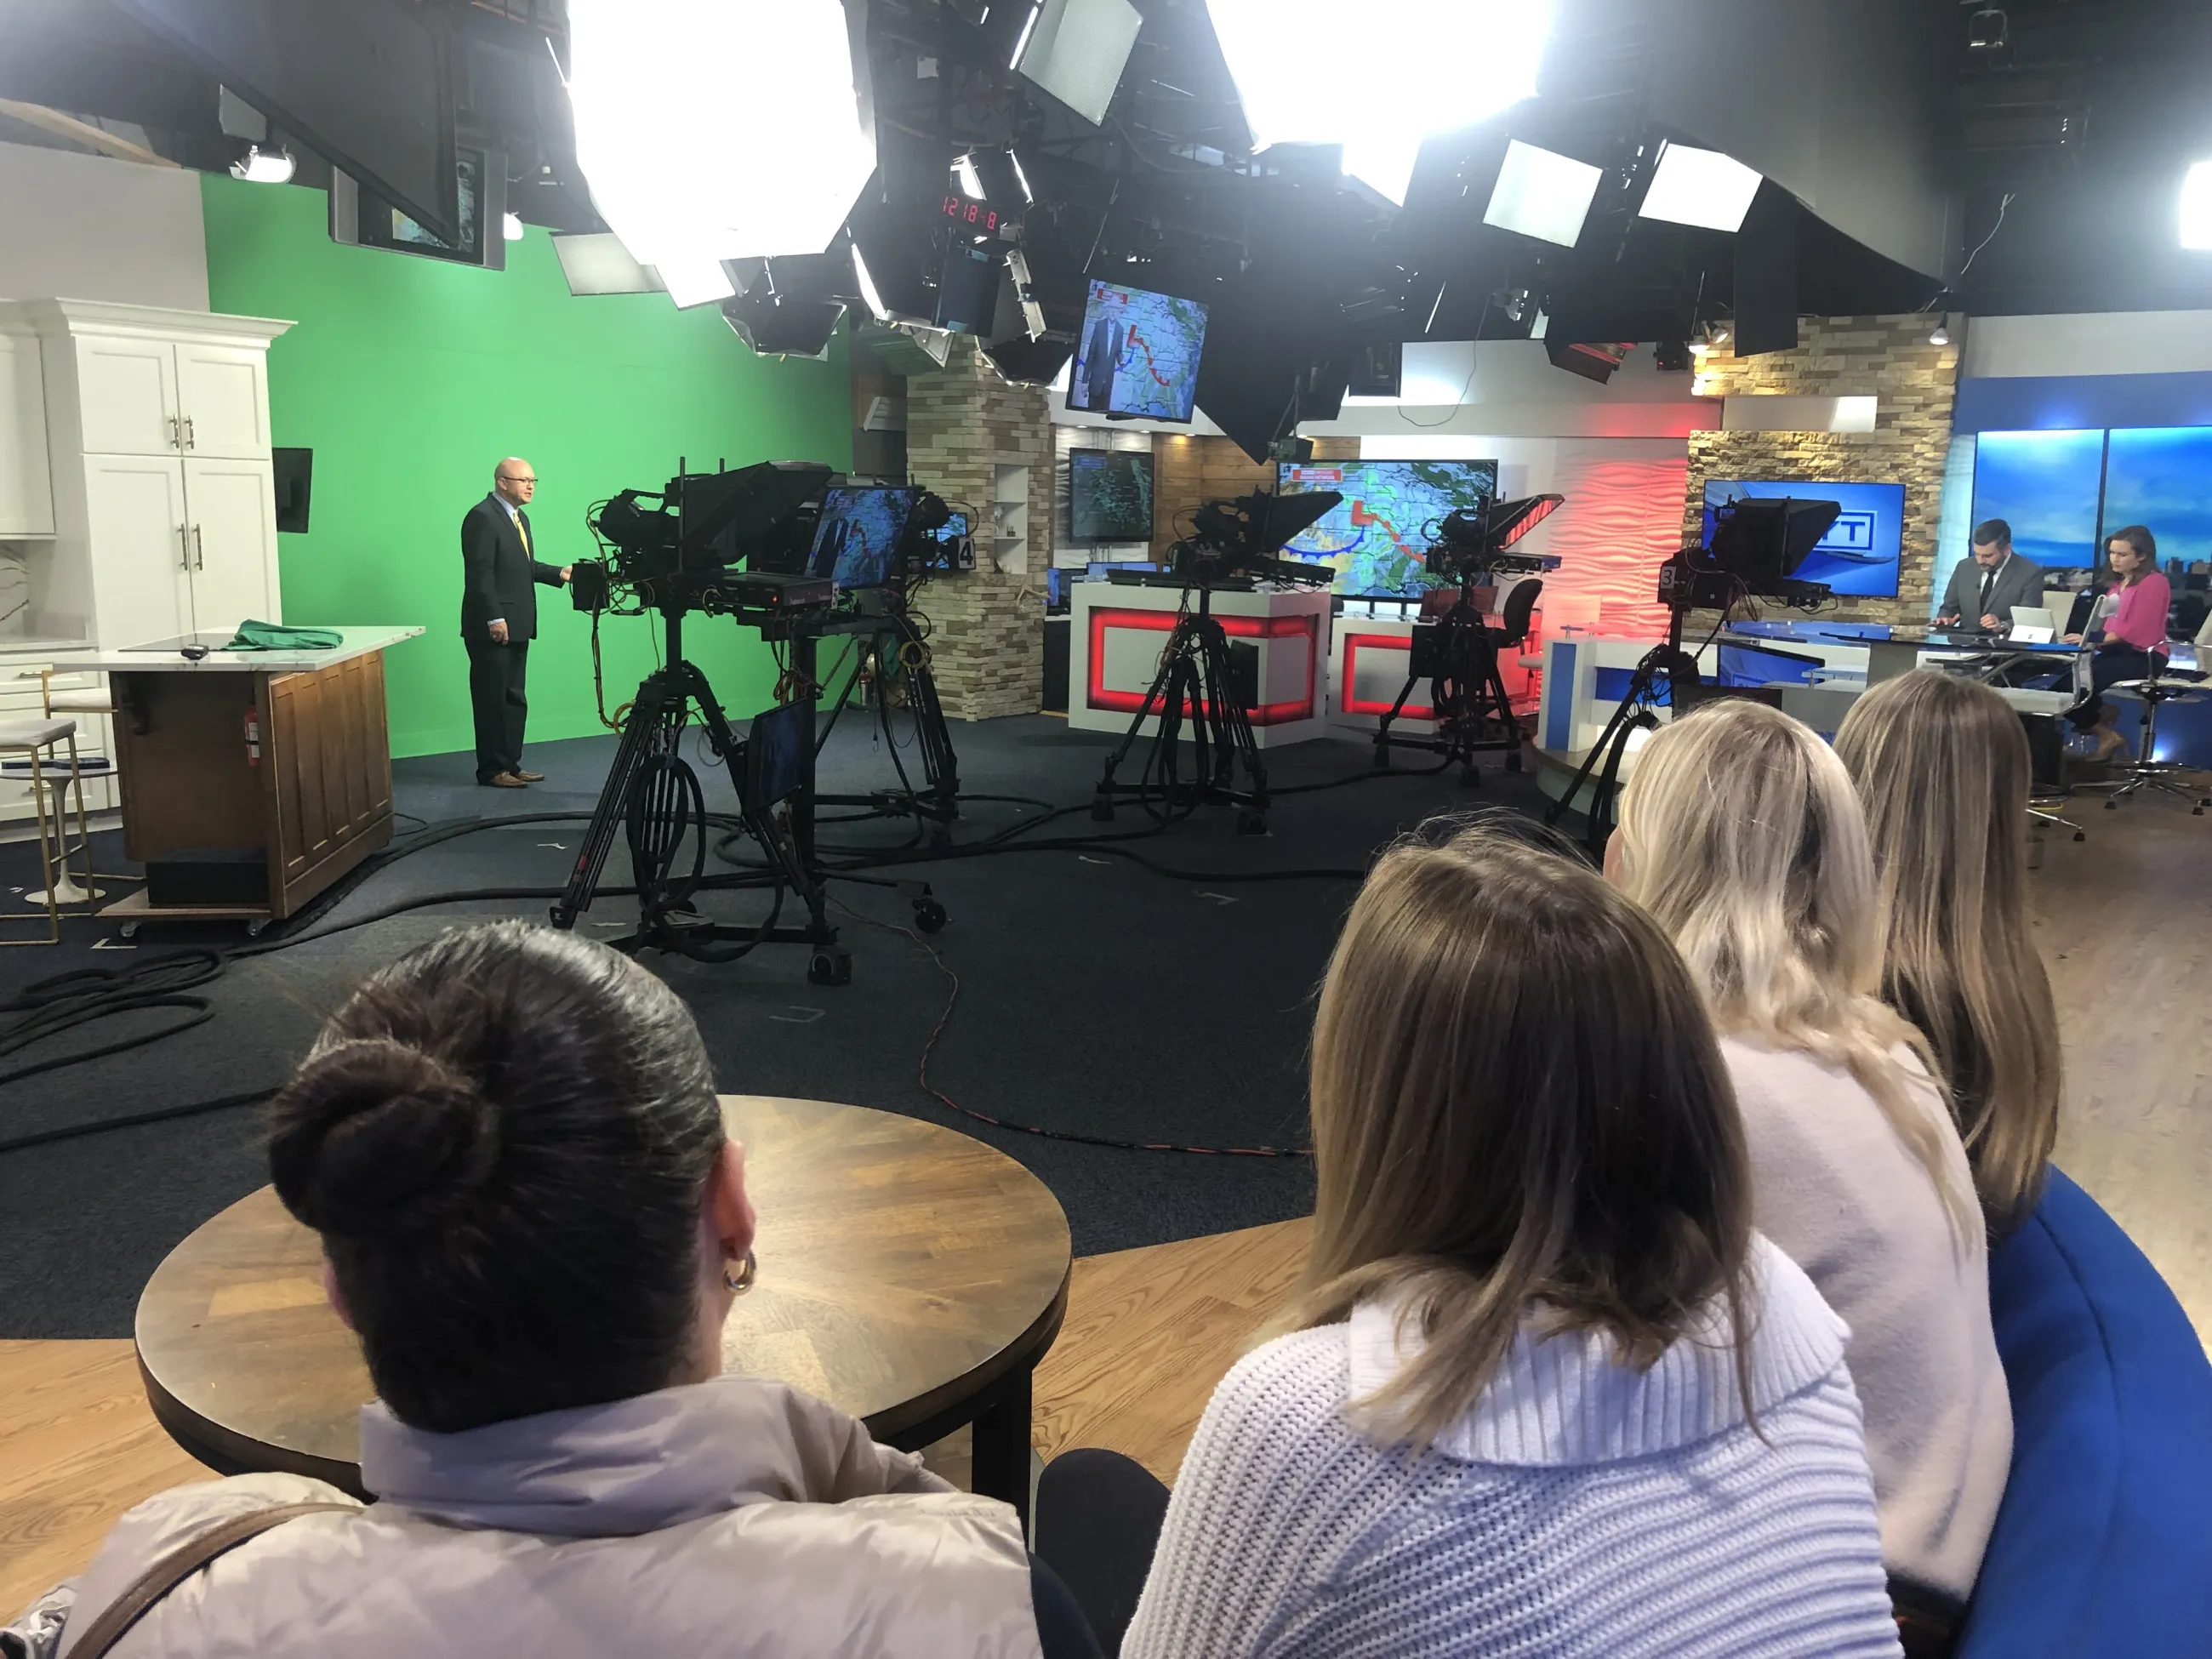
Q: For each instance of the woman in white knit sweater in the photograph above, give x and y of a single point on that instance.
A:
(1544, 1393)
(1741, 831)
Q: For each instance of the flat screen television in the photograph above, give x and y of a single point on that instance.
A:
(1377, 537)
(293, 475)
(2046, 486)
(1858, 557)
(1109, 495)
(856, 540)
(1138, 354)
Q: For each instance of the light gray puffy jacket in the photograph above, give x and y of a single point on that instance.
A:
(735, 1518)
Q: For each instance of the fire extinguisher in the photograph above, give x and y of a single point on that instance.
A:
(253, 737)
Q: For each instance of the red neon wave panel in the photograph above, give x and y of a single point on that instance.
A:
(1099, 695)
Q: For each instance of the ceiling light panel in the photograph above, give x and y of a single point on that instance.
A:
(1702, 187)
(1543, 194)
(1076, 50)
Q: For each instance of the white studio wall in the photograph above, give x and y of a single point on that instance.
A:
(2088, 342)
(90, 228)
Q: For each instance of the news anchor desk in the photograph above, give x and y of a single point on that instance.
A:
(250, 780)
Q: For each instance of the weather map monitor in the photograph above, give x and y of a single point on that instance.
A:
(856, 540)
(1377, 537)
(1109, 495)
(1138, 354)
(1858, 557)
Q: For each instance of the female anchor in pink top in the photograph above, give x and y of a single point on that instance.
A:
(2134, 632)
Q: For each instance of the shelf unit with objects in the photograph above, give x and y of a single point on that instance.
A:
(137, 497)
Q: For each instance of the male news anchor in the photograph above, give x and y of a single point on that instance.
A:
(499, 618)
(1983, 591)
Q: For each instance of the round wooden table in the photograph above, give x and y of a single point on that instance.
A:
(908, 1275)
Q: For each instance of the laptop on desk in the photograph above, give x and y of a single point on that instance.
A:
(2031, 625)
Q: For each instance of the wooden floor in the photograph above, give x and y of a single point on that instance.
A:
(2124, 922)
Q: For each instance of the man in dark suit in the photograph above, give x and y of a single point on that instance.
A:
(1985, 589)
(499, 618)
(1100, 361)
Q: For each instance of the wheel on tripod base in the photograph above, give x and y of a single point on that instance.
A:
(830, 967)
(1102, 808)
(1381, 757)
(940, 835)
(1251, 821)
(2080, 835)
(1513, 760)
(2112, 806)
(929, 916)
(1470, 775)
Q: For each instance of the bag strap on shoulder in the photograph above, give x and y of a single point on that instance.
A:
(178, 1565)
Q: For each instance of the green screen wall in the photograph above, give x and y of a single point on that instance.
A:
(410, 378)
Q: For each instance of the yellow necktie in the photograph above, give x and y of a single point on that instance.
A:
(523, 530)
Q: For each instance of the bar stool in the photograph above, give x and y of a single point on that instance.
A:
(34, 741)
(2145, 772)
(68, 704)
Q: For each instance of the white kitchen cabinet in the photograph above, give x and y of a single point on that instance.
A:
(126, 389)
(222, 396)
(142, 581)
(26, 495)
(152, 430)
(231, 507)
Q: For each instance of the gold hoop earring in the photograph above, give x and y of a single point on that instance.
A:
(742, 1281)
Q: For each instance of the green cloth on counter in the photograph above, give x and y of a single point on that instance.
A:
(275, 637)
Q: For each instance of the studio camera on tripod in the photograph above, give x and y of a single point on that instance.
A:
(1204, 677)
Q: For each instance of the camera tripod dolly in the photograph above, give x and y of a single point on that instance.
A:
(1201, 675)
(653, 797)
(897, 651)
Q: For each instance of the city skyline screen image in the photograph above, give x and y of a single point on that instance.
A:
(1138, 354)
(2161, 476)
(1860, 554)
(2045, 485)
(1376, 539)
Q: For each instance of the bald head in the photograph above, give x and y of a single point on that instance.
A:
(514, 480)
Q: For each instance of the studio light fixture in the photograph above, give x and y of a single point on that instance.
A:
(2196, 206)
(1076, 50)
(971, 182)
(1542, 194)
(1701, 187)
(1941, 334)
(869, 296)
(1413, 56)
(685, 174)
(263, 167)
(1020, 178)
(510, 225)
(1988, 32)
(695, 282)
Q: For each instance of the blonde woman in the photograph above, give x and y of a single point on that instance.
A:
(1544, 1392)
(1741, 833)
(1942, 769)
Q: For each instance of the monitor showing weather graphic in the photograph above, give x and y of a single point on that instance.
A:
(1377, 537)
(1109, 495)
(857, 536)
(1138, 354)
(1858, 557)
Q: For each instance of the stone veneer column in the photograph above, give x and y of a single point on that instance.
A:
(988, 625)
(1915, 384)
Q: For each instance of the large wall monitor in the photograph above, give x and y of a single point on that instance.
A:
(1109, 495)
(1377, 537)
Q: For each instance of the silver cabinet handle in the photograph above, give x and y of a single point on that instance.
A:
(199, 549)
(176, 432)
(184, 544)
(191, 440)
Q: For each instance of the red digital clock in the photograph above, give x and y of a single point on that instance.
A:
(979, 216)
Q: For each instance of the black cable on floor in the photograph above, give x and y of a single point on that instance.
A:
(1074, 1137)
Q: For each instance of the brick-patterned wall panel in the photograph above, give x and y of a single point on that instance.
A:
(1189, 471)
(963, 423)
(1915, 384)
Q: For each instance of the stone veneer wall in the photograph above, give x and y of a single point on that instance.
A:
(987, 638)
(1915, 384)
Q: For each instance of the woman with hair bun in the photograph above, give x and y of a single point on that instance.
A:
(509, 1142)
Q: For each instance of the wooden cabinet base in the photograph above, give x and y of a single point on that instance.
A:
(296, 768)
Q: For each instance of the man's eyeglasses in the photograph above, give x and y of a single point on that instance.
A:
(508, 477)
